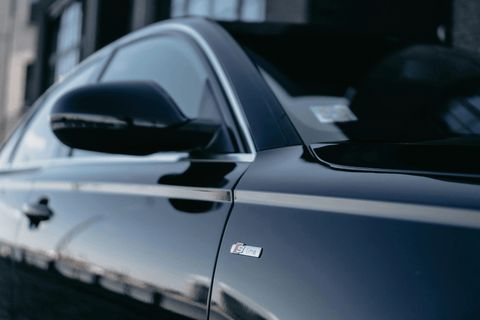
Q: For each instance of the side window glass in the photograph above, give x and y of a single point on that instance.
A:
(171, 62)
(10, 145)
(39, 142)
(176, 66)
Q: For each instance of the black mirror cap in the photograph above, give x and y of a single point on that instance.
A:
(133, 118)
(134, 100)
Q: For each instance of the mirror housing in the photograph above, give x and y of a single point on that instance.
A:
(133, 118)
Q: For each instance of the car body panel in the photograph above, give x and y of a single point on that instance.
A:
(371, 246)
(138, 238)
(129, 236)
(11, 201)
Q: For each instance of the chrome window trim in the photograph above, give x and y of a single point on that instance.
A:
(154, 190)
(154, 158)
(450, 216)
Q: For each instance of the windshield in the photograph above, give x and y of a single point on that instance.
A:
(367, 92)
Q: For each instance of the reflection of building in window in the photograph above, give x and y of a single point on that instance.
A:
(253, 10)
(226, 9)
(463, 115)
(198, 7)
(69, 38)
(230, 10)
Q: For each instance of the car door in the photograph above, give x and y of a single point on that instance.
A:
(130, 236)
(11, 200)
(22, 159)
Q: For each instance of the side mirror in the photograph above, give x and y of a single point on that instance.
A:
(134, 118)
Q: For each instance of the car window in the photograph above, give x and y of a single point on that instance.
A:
(420, 93)
(176, 66)
(12, 140)
(39, 142)
(10, 144)
(171, 62)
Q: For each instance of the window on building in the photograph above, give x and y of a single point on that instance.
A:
(29, 78)
(34, 11)
(67, 54)
(198, 8)
(114, 20)
(163, 10)
(253, 10)
(226, 10)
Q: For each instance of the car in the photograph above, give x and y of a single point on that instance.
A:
(189, 172)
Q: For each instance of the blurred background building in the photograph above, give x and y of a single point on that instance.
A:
(18, 48)
(42, 40)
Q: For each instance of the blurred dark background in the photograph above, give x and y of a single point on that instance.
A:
(42, 40)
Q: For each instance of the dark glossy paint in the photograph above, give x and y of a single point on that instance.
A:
(83, 117)
(117, 256)
(428, 158)
(295, 170)
(324, 265)
(10, 203)
(107, 255)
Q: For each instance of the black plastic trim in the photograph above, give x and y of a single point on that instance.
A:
(269, 125)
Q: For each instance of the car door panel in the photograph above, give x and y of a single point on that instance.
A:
(358, 249)
(13, 194)
(22, 158)
(141, 236)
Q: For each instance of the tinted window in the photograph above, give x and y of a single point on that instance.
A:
(9, 146)
(39, 142)
(170, 62)
(12, 140)
(417, 94)
(176, 66)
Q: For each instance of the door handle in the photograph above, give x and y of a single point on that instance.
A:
(37, 212)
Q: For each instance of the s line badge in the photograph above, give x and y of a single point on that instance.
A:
(242, 249)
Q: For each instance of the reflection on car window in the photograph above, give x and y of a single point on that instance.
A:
(462, 115)
(170, 62)
(9, 146)
(419, 93)
(39, 142)
(178, 68)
